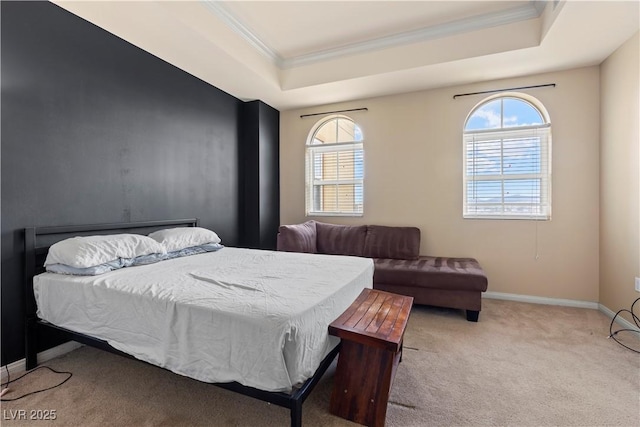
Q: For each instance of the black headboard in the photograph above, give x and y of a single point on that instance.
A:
(38, 240)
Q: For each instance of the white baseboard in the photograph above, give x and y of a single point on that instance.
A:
(541, 300)
(17, 368)
(619, 320)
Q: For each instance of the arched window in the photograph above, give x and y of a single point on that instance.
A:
(335, 168)
(507, 159)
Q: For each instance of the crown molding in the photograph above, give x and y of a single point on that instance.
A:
(474, 23)
(530, 10)
(238, 27)
(540, 5)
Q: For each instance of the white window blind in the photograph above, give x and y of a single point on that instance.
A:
(507, 173)
(335, 169)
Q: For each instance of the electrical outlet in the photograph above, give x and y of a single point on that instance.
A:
(638, 284)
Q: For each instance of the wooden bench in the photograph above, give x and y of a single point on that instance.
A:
(371, 330)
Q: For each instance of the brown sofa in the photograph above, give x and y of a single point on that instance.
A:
(445, 282)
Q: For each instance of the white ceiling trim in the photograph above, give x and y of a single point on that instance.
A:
(232, 22)
(530, 10)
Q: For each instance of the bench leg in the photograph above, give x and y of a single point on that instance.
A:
(472, 315)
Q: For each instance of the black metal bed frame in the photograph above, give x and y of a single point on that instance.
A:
(34, 257)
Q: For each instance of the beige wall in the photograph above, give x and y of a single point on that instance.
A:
(620, 176)
(413, 176)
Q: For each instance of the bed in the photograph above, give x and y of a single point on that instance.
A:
(251, 321)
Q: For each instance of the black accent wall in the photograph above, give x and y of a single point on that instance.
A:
(96, 130)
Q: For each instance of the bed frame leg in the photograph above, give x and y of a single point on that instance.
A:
(31, 344)
(296, 414)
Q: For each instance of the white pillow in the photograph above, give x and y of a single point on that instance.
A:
(175, 239)
(89, 251)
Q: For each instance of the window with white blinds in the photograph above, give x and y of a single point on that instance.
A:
(335, 168)
(507, 161)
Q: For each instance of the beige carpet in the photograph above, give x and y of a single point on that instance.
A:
(521, 365)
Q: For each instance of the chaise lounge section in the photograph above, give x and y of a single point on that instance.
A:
(438, 281)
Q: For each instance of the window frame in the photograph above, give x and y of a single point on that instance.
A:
(502, 134)
(311, 182)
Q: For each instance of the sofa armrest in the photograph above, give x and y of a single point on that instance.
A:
(297, 238)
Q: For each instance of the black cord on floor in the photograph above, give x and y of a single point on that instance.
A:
(9, 381)
(636, 320)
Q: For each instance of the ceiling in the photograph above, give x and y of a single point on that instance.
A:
(294, 54)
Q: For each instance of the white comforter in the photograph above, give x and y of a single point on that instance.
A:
(256, 317)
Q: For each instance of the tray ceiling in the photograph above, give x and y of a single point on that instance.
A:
(300, 53)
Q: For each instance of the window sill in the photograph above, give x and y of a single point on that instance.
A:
(351, 214)
(510, 217)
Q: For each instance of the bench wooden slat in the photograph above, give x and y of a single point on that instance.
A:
(369, 314)
(381, 316)
(389, 325)
(356, 310)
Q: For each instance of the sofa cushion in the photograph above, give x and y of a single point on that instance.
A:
(431, 272)
(297, 238)
(340, 239)
(392, 242)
